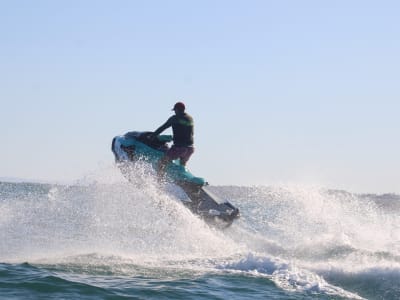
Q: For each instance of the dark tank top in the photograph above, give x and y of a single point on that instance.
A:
(182, 128)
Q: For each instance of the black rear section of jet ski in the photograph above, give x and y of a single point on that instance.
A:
(132, 146)
(208, 206)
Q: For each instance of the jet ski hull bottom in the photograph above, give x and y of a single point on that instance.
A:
(209, 207)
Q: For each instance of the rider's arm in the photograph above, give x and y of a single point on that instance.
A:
(164, 126)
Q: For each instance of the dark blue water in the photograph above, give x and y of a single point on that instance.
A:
(107, 239)
(58, 282)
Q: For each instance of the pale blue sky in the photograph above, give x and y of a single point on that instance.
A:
(281, 91)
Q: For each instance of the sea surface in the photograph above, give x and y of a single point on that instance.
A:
(105, 238)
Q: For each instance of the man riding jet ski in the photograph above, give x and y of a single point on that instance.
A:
(171, 162)
(147, 146)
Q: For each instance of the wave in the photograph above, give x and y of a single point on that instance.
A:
(288, 276)
(305, 239)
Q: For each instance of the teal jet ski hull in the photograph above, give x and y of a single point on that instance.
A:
(134, 146)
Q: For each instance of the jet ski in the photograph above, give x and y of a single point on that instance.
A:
(134, 146)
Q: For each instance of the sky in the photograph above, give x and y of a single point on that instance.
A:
(282, 92)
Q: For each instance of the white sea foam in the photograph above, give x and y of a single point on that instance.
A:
(287, 275)
(119, 218)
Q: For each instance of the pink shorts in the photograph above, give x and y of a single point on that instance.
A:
(183, 153)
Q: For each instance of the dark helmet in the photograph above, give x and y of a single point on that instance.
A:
(179, 106)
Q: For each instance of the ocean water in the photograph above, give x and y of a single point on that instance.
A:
(105, 238)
